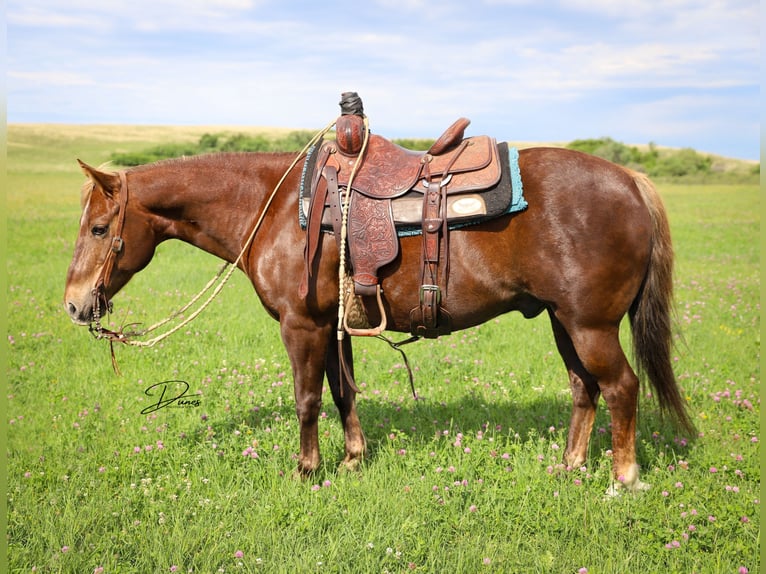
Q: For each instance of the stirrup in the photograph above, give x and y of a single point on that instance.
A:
(373, 332)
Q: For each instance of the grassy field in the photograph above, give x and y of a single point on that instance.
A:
(466, 480)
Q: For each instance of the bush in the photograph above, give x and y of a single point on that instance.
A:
(609, 149)
(213, 143)
(415, 144)
(681, 163)
(671, 163)
(241, 142)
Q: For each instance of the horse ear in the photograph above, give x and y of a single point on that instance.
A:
(109, 183)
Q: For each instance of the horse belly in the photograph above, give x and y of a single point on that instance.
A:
(482, 282)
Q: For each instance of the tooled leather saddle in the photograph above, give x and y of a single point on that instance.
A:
(395, 191)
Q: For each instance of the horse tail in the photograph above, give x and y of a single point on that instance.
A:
(651, 313)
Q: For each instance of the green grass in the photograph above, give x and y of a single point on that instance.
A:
(466, 480)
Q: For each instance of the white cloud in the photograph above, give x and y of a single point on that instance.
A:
(33, 15)
(146, 15)
(52, 78)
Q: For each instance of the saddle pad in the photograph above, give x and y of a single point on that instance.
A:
(505, 197)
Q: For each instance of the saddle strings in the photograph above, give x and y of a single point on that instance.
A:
(127, 337)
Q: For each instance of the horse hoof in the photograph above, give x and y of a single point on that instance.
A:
(350, 465)
(617, 488)
(641, 486)
(302, 473)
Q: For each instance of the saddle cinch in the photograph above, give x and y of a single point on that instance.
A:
(395, 191)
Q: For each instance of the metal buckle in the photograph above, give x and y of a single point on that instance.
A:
(430, 289)
(442, 183)
(117, 244)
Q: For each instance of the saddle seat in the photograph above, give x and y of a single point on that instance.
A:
(389, 171)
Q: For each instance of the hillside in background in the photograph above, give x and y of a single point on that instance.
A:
(136, 145)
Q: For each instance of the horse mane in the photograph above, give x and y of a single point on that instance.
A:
(214, 158)
(87, 188)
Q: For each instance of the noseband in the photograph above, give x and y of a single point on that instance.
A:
(100, 300)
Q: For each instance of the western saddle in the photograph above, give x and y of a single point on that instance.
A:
(387, 188)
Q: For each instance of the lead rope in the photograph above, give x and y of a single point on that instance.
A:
(127, 337)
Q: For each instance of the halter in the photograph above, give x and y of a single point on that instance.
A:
(104, 278)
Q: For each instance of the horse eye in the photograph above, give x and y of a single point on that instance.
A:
(99, 230)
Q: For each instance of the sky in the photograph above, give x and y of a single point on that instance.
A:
(679, 73)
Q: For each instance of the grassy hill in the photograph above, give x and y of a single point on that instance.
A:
(137, 144)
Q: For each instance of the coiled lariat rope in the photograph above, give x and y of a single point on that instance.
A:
(128, 337)
(342, 288)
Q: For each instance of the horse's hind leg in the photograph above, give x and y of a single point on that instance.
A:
(602, 357)
(585, 394)
(346, 402)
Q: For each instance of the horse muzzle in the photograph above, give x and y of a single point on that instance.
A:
(89, 309)
(80, 314)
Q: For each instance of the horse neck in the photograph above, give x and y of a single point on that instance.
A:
(211, 202)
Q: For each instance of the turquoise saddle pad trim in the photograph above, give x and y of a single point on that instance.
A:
(518, 203)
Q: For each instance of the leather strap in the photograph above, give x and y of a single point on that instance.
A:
(316, 207)
(117, 245)
(335, 200)
(430, 293)
(434, 320)
(432, 223)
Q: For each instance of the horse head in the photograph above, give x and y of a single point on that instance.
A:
(113, 244)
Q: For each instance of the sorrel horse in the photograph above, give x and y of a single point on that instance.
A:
(593, 246)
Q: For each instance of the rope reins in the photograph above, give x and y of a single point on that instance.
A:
(128, 337)
(220, 279)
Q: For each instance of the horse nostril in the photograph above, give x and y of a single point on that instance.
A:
(72, 309)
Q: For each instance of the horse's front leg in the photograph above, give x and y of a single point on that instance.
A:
(345, 400)
(306, 345)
